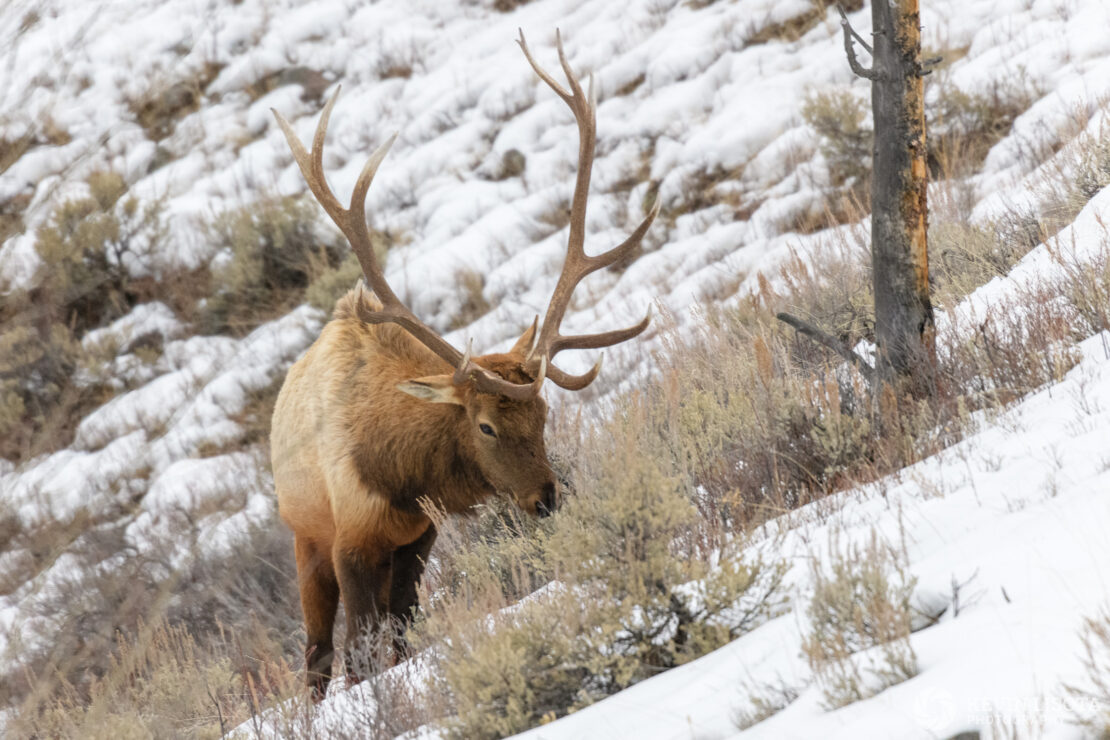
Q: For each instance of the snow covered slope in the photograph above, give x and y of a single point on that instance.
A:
(1003, 532)
(700, 105)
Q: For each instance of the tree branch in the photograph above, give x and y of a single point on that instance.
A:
(926, 66)
(850, 50)
(832, 343)
(844, 22)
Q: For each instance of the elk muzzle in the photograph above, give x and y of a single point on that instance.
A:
(540, 503)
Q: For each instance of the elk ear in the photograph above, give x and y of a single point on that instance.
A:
(523, 345)
(433, 388)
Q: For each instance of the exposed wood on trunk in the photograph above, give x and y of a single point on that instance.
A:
(904, 330)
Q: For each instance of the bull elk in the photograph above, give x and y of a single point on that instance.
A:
(382, 416)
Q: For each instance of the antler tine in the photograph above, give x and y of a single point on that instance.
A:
(603, 339)
(488, 383)
(578, 264)
(543, 74)
(352, 222)
(574, 382)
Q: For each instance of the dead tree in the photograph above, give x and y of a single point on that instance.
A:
(904, 331)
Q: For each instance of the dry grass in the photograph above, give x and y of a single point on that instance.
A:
(1090, 700)
(841, 119)
(795, 27)
(146, 648)
(168, 100)
(745, 422)
(963, 126)
(628, 588)
(473, 303)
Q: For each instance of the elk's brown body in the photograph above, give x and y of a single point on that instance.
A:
(353, 457)
(383, 417)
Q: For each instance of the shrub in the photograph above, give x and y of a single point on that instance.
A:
(167, 100)
(507, 6)
(1081, 173)
(333, 283)
(87, 248)
(861, 604)
(275, 250)
(37, 397)
(840, 119)
(797, 26)
(632, 595)
(1086, 284)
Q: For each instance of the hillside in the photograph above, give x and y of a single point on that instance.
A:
(160, 270)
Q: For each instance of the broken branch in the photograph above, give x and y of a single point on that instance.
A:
(831, 342)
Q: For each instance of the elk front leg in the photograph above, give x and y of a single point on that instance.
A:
(364, 585)
(319, 600)
(408, 567)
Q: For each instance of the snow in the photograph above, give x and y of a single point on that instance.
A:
(684, 93)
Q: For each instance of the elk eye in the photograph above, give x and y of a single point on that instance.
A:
(487, 429)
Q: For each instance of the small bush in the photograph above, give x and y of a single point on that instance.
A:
(861, 604)
(276, 251)
(313, 83)
(38, 399)
(794, 28)
(841, 120)
(1086, 284)
(507, 6)
(332, 283)
(399, 58)
(994, 361)
(1082, 172)
(87, 248)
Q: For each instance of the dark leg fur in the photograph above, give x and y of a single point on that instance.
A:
(319, 601)
(408, 567)
(363, 582)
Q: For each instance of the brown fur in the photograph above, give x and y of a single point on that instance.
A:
(357, 459)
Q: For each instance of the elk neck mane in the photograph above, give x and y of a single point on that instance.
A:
(432, 454)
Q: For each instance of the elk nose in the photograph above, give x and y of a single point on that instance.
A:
(546, 505)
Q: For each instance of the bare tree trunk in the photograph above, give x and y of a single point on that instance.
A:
(904, 329)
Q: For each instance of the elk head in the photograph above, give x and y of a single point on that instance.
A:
(500, 393)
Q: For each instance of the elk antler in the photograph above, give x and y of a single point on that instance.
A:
(352, 222)
(578, 264)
